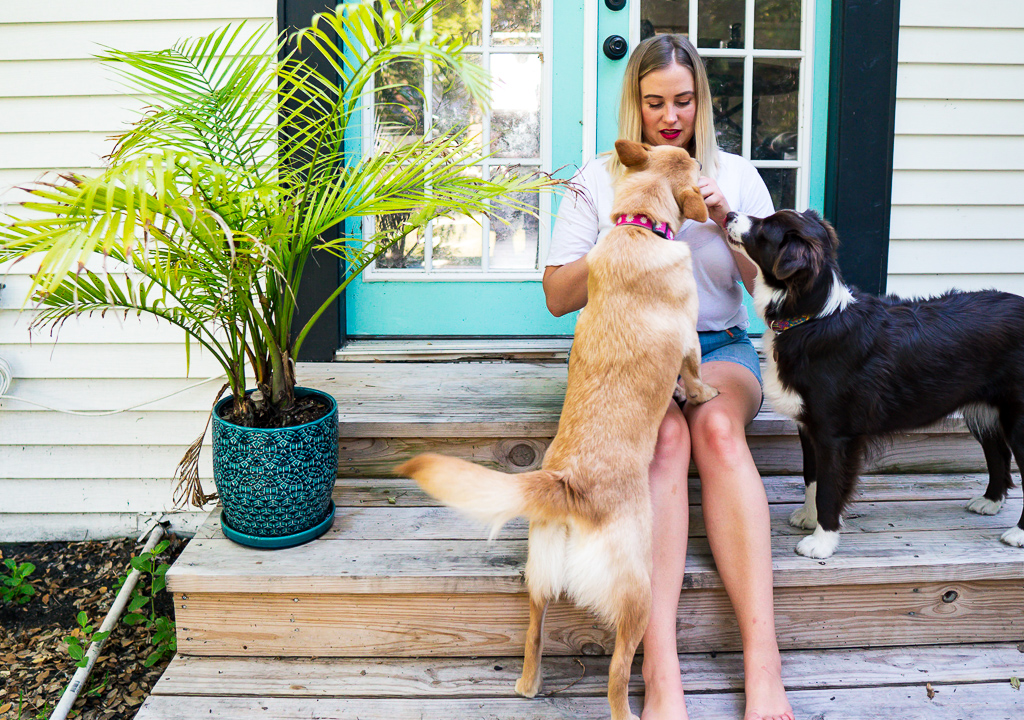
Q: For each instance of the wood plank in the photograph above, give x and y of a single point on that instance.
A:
(975, 187)
(380, 492)
(925, 285)
(65, 41)
(918, 452)
(952, 258)
(494, 624)
(959, 117)
(956, 13)
(496, 677)
(81, 113)
(954, 702)
(113, 393)
(949, 152)
(996, 46)
(939, 81)
(97, 461)
(67, 11)
(134, 428)
(395, 522)
(910, 222)
(86, 495)
(216, 565)
(77, 526)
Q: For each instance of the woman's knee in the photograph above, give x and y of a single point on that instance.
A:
(673, 437)
(717, 434)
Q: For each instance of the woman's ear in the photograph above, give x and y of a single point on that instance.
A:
(692, 204)
(631, 154)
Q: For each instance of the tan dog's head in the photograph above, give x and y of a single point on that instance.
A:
(660, 172)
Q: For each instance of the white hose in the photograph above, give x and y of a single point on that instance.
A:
(67, 700)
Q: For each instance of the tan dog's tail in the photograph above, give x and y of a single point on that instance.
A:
(491, 497)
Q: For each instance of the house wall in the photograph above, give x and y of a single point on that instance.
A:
(64, 476)
(958, 189)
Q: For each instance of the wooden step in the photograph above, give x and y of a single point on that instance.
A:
(411, 578)
(967, 681)
(505, 414)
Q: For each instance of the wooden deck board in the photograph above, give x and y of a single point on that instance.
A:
(449, 566)
(316, 624)
(991, 701)
(584, 676)
(378, 492)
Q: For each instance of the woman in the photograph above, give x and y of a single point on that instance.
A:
(666, 101)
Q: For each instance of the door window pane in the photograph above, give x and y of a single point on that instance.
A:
(399, 100)
(781, 184)
(725, 76)
(515, 22)
(462, 18)
(776, 108)
(515, 234)
(407, 253)
(457, 241)
(658, 17)
(515, 112)
(777, 24)
(720, 23)
(454, 109)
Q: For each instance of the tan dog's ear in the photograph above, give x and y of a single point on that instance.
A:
(631, 154)
(692, 203)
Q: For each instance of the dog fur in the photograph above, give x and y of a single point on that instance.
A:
(589, 506)
(865, 367)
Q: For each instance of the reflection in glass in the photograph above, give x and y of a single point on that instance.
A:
(781, 184)
(721, 24)
(515, 234)
(461, 18)
(658, 17)
(777, 24)
(454, 109)
(407, 252)
(515, 22)
(776, 107)
(515, 105)
(457, 241)
(398, 99)
(725, 75)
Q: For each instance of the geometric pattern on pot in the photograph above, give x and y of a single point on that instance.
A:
(277, 481)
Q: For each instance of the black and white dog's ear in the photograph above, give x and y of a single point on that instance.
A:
(794, 256)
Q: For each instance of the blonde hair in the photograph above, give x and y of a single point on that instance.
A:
(656, 53)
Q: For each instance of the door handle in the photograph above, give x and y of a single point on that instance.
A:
(615, 47)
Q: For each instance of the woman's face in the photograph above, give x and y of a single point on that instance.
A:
(668, 106)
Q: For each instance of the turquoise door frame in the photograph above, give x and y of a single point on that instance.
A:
(517, 308)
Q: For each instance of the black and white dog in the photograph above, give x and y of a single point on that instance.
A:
(850, 367)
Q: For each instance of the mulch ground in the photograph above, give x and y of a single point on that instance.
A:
(35, 667)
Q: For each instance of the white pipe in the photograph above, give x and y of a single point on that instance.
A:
(67, 700)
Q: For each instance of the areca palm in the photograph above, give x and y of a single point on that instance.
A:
(212, 203)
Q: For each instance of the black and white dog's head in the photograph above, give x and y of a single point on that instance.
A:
(796, 255)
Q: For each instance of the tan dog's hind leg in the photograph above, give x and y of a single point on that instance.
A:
(697, 391)
(636, 611)
(529, 684)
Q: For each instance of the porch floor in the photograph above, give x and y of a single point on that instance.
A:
(404, 610)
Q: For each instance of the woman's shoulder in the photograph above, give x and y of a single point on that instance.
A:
(595, 170)
(730, 163)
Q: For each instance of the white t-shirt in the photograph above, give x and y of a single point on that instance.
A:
(583, 221)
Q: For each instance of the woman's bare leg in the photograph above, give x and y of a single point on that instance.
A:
(739, 530)
(663, 697)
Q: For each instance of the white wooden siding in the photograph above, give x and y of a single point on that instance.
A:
(958, 165)
(65, 476)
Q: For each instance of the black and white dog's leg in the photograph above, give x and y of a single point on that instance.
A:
(1015, 535)
(836, 464)
(983, 422)
(807, 516)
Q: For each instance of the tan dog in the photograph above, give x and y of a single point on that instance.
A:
(589, 507)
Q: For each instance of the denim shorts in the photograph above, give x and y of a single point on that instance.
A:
(732, 345)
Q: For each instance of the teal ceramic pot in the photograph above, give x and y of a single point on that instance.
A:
(275, 484)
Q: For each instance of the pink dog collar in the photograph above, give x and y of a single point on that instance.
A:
(645, 222)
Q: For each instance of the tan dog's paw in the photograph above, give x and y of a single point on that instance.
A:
(679, 393)
(527, 690)
(703, 393)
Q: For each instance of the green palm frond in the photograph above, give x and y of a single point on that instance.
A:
(211, 204)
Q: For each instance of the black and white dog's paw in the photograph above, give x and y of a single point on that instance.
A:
(983, 506)
(820, 544)
(1014, 537)
(679, 393)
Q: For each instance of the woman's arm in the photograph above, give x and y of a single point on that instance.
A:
(565, 286)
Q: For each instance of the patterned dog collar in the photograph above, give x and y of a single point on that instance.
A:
(645, 222)
(777, 326)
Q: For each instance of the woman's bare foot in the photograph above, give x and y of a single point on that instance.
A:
(766, 695)
(663, 698)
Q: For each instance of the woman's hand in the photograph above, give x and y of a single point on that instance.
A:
(718, 206)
